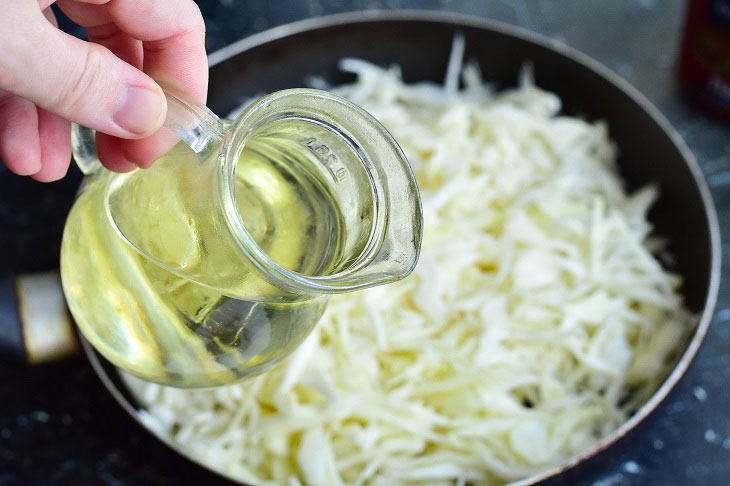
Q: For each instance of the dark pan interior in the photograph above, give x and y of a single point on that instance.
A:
(422, 48)
(285, 57)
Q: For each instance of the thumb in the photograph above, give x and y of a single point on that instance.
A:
(87, 84)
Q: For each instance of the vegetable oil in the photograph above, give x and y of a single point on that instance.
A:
(132, 242)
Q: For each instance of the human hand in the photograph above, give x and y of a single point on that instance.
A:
(48, 78)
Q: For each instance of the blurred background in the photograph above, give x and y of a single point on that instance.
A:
(58, 425)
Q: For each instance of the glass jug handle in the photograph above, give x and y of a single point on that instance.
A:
(83, 148)
(193, 123)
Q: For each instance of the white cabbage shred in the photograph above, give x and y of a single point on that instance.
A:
(536, 320)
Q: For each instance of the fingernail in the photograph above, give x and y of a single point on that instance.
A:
(139, 110)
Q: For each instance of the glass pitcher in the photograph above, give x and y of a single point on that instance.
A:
(216, 263)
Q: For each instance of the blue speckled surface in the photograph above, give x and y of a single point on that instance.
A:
(59, 426)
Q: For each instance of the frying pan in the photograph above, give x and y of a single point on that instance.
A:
(649, 148)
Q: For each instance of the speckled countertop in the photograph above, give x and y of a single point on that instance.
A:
(58, 425)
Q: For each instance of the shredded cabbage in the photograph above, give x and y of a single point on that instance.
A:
(535, 322)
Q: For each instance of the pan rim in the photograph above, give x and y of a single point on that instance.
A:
(462, 20)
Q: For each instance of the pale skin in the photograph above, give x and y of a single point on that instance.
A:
(49, 79)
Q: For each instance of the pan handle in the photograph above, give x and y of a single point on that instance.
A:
(35, 325)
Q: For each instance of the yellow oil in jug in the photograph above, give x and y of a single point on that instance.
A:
(146, 317)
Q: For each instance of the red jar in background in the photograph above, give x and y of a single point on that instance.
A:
(704, 64)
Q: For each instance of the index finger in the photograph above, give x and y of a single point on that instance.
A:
(172, 33)
(173, 40)
(173, 36)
